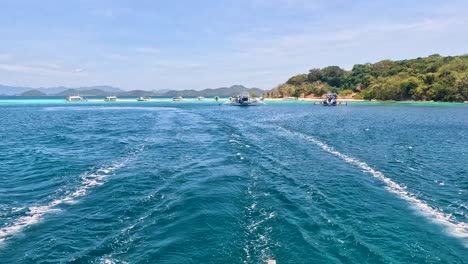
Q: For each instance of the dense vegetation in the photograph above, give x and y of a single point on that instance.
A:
(432, 78)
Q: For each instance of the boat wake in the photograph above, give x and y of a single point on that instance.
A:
(88, 181)
(452, 226)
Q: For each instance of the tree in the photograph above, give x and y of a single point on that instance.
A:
(333, 75)
(315, 75)
(298, 79)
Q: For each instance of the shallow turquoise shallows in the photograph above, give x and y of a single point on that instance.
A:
(196, 182)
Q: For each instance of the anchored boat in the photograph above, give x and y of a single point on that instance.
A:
(178, 98)
(75, 98)
(244, 99)
(110, 98)
(331, 99)
(143, 98)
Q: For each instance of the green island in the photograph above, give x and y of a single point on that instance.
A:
(433, 78)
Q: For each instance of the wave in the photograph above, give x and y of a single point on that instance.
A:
(35, 213)
(452, 226)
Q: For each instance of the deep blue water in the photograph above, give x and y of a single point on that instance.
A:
(168, 182)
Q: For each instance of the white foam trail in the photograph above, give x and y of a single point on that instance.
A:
(451, 225)
(35, 213)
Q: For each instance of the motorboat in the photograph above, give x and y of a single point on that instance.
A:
(143, 98)
(111, 98)
(330, 99)
(244, 99)
(75, 98)
(178, 98)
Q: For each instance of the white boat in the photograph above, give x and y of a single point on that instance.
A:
(331, 99)
(200, 98)
(75, 98)
(110, 98)
(143, 98)
(244, 99)
(178, 98)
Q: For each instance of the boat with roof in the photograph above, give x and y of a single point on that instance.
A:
(110, 98)
(331, 99)
(143, 98)
(244, 99)
(75, 98)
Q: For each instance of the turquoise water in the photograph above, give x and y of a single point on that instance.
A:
(195, 182)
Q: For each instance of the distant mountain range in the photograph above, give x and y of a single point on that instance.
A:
(56, 91)
(109, 90)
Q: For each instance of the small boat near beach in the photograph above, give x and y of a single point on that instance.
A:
(331, 99)
(75, 98)
(178, 98)
(111, 98)
(244, 99)
(200, 98)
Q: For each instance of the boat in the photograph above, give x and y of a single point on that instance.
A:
(200, 98)
(178, 98)
(111, 98)
(143, 98)
(75, 98)
(331, 99)
(244, 99)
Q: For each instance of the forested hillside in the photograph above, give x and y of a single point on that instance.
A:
(431, 78)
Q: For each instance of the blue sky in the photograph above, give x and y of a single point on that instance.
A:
(206, 44)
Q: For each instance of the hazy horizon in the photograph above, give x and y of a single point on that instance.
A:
(208, 44)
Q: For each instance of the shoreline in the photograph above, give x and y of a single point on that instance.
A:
(357, 100)
(26, 100)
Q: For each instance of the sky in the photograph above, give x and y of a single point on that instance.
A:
(186, 44)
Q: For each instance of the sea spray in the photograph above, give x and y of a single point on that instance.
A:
(452, 226)
(88, 180)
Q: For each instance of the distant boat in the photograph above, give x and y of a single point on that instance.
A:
(75, 98)
(178, 98)
(200, 98)
(110, 98)
(143, 98)
(244, 99)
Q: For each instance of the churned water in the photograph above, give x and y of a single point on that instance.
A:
(196, 182)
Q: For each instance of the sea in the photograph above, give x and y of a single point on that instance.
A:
(202, 182)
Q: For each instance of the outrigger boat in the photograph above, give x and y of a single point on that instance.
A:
(111, 98)
(331, 99)
(178, 98)
(244, 99)
(75, 98)
(143, 98)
